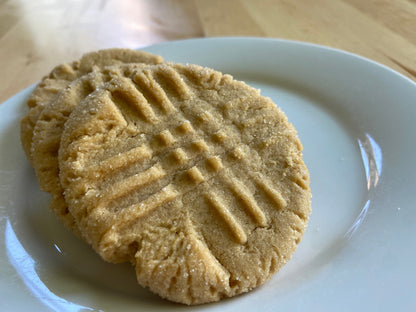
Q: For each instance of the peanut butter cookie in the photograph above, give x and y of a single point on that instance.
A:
(190, 175)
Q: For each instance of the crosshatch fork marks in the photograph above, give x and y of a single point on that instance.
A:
(247, 200)
(172, 144)
(138, 210)
(119, 161)
(217, 203)
(124, 90)
(132, 183)
(176, 81)
(272, 193)
(147, 84)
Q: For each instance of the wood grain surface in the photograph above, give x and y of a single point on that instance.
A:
(37, 35)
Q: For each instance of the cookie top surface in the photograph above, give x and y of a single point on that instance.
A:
(192, 176)
(51, 85)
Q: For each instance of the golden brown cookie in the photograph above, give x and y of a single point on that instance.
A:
(194, 177)
(51, 85)
(50, 125)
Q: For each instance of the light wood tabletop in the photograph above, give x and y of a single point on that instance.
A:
(37, 35)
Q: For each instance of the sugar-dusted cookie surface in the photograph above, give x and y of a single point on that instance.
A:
(51, 85)
(50, 125)
(194, 177)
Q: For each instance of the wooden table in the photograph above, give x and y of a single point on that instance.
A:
(37, 35)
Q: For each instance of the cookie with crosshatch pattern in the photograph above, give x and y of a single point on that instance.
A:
(192, 176)
(58, 79)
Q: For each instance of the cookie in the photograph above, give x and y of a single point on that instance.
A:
(190, 175)
(51, 85)
(49, 127)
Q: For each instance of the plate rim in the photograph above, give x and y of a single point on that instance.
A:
(306, 44)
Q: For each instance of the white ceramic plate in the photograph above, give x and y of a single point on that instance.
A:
(356, 119)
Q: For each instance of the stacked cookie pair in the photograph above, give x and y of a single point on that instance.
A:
(192, 176)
